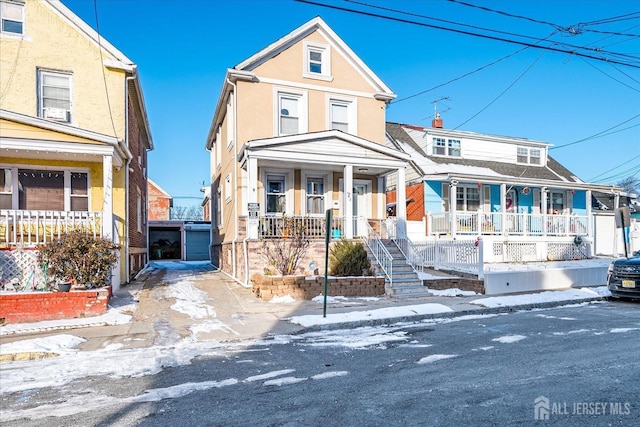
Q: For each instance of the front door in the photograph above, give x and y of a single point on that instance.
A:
(361, 211)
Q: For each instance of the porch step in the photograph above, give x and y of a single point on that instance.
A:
(405, 282)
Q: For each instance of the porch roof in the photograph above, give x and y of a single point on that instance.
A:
(332, 148)
(25, 136)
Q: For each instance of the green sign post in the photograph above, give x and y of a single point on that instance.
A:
(327, 239)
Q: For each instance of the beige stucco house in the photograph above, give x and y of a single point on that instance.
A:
(74, 136)
(298, 129)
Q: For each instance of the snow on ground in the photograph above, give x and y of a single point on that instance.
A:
(381, 313)
(435, 358)
(541, 297)
(508, 339)
(111, 317)
(452, 292)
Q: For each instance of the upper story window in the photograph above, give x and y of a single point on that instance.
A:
(454, 147)
(54, 95)
(442, 147)
(292, 113)
(317, 61)
(342, 114)
(439, 146)
(529, 155)
(339, 116)
(12, 16)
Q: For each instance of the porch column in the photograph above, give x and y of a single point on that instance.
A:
(543, 204)
(401, 205)
(348, 201)
(107, 205)
(252, 196)
(503, 209)
(453, 207)
(589, 219)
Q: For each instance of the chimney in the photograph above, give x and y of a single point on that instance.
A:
(437, 122)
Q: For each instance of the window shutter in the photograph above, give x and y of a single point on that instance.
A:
(536, 201)
(568, 208)
(445, 197)
(487, 199)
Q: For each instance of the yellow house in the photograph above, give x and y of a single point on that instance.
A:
(74, 135)
(298, 129)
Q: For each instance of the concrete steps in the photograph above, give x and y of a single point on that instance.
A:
(404, 280)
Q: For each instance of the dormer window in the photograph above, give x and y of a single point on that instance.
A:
(317, 61)
(530, 156)
(12, 16)
(442, 147)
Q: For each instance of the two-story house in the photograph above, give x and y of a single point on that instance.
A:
(508, 190)
(74, 136)
(298, 129)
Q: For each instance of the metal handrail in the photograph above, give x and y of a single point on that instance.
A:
(411, 253)
(380, 253)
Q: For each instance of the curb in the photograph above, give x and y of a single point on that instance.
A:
(445, 315)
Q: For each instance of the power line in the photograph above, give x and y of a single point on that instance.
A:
(556, 26)
(503, 92)
(104, 77)
(594, 135)
(622, 164)
(437, 27)
(611, 77)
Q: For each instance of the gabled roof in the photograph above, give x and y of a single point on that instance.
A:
(120, 62)
(315, 24)
(157, 187)
(244, 70)
(447, 166)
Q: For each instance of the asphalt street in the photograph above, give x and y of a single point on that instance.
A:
(578, 363)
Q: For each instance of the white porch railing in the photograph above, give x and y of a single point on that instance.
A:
(504, 223)
(380, 253)
(312, 227)
(33, 228)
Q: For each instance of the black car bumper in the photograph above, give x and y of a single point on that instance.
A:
(618, 290)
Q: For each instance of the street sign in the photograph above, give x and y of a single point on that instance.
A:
(253, 207)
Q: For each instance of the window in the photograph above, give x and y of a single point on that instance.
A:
(439, 146)
(555, 202)
(227, 188)
(339, 117)
(523, 155)
(230, 122)
(534, 156)
(6, 188)
(467, 199)
(54, 95)
(275, 194)
(289, 115)
(139, 212)
(219, 207)
(79, 192)
(529, 155)
(454, 147)
(317, 61)
(12, 15)
(315, 196)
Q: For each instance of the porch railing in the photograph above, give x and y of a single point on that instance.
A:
(380, 253)
(33, 228)
(505, 223)
(277, 227)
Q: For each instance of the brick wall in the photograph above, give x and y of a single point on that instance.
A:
(301, 287)
(37, 306)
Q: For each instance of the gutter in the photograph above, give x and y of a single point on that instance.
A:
(235, 175)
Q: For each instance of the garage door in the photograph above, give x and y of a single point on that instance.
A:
(197, 245)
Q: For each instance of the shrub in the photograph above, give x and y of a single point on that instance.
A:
(349, 259)
(80, 258)
(284, 254)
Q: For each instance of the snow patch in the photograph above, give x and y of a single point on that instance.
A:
(508, 339)
(435, 358)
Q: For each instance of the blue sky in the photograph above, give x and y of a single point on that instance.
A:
(184, 47)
